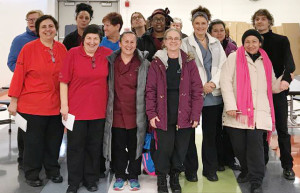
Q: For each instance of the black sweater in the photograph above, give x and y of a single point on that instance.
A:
(71, 40)
(279, 52)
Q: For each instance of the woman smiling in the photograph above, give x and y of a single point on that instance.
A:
(34, 92)
(84, 94)
(173, 105)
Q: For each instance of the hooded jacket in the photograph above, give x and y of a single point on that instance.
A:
(189, 45)
(190, 91)
(141, 119)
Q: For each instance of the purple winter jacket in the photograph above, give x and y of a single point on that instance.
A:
(230, 47)
(190, 91)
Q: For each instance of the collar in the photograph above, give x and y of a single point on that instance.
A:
(45, 47)
(28, 31)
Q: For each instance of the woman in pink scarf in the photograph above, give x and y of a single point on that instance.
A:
(247, 83)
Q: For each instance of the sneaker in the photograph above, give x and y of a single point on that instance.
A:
(134, 185)
(119, 184)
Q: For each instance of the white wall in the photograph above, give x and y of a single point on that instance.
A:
(286, 11)
(12, 14)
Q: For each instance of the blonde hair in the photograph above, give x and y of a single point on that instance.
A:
(33, 12)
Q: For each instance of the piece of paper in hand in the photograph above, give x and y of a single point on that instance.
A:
(69, 122)
(21, 122)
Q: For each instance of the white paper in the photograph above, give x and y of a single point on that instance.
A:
(69, 122)
(21, 122)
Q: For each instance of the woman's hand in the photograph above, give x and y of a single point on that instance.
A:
(284, 85)
(195, 124)
(207, 88)
(231, 113)
(64, 112)
(152, 122)
(12, 108)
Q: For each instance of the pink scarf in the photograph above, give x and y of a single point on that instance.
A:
(244, 91)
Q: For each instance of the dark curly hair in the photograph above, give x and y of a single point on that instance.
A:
(91, 29)
(201, 9)
(84, 7)
(42, 18)
(263, 12)
(215, 22)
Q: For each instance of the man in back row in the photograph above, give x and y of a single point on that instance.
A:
(279, 52)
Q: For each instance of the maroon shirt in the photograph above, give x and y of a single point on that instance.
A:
(125, 93)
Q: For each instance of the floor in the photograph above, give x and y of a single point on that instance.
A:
(12, 179)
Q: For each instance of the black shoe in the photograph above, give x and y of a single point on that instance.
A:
(211, 177)
(289, 174)
(56, 179)
(102, 175)
(91, 187)
(20, 166)
(35, 183)
(256, 188)
(162, 183)
(191, 177)
(174, 182)
(72, 189)
(221, 168)
(243, 177)
(235, 166)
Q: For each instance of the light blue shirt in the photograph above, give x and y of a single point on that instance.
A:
(109, 44)
(209, 99)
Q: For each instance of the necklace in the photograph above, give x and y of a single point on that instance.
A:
(202, 39)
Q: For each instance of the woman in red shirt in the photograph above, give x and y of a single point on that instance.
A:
(84, 91)
(34, 92)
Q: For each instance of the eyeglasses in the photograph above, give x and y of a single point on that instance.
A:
(172, 39)
(136, 18)
(156, 20)
(31, 20)
(93, 62)
(52, 56)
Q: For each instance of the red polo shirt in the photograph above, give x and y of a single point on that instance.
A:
(35, 80)
(125, 93)
(87, 83)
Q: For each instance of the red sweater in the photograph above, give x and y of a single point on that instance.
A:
(35, 80)
(87, 83)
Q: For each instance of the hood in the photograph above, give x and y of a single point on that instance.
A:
(142, 55)
(163, 56)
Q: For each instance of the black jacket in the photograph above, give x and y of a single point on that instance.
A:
(71, 40)
(279, 52)
(146, 42)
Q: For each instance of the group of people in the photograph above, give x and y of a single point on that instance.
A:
(151, 79)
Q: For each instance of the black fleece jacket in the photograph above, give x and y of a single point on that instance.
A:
(146, 43)
(279, 52)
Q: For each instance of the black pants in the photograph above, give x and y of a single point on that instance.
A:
(227, 155)
(42, 142)
(284, 138)
(125, 138)
(248, 147)
(20, 145)
(83, 151)
(191, 163)
(171, 150)
(212, 141)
